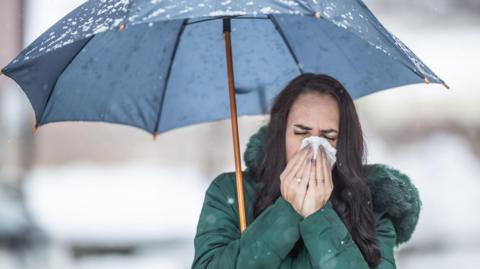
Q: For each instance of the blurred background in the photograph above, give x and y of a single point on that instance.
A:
(99, 195)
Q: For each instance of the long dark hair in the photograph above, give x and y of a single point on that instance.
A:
(351, 197)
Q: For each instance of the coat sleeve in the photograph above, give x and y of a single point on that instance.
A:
(265, 242)
(330, 244)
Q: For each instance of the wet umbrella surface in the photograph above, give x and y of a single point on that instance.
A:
(159, 65)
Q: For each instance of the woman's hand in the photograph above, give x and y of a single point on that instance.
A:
(298, 166)
(319, 190)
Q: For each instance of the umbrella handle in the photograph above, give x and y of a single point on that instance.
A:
(233, 118)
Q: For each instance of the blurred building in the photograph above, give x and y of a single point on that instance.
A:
(18, 234)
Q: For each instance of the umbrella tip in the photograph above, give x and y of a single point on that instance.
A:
(34, 129)
(445, 84)
(155, 136)
(121, 27)
(425, 79)
(317, 15)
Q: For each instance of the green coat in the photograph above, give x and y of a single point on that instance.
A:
(323, 239)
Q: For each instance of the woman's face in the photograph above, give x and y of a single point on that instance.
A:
(311, 114)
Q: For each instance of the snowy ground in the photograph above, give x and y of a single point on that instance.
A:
(84, 202)
(145, 206)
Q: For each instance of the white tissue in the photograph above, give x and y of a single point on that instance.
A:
(316, 142)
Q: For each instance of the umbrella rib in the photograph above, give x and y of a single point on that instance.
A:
(417, 72)
(398, 60)
(204, 20)
(408, 66)
(282, 35)
(128, 11)
(252, 18)
(177, 41)
(413, 69)
(60, 74)
(340, 49)
(232, 17)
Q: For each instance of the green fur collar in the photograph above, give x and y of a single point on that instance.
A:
(392, 191)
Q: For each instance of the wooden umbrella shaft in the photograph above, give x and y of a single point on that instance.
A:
(233, 118)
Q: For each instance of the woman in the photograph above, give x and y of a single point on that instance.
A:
(302, 213)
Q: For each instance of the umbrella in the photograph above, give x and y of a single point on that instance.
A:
(160, 65)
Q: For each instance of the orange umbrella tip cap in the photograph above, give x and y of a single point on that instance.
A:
(34, 130)
(426, 80)
(121, 27)
(317, 15)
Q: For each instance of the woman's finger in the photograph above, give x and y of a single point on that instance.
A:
(321, 177)
(306, 170)
(327, 173)
(300, 162)
(292, 166)
(296, 170)
(301, 187)
(295, 163)
(292, 178)
(313, 174)
(318, 169)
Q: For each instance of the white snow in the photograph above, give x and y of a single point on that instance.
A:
(92, 202)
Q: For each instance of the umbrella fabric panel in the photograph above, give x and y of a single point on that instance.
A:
(117, 77)
(146, 10)
(97, 16)
(88, 19)
(37, 76)
(197, 89)
(94, 17)
(352, 15)
(321, 47)
(78, 70)
(267, 52)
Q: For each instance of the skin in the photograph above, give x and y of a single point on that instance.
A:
(320, 113)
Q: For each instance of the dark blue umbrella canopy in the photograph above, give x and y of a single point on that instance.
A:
(160, 64)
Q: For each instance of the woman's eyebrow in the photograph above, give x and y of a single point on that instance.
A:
(329, 131)
(303, 127)
(309, 128)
